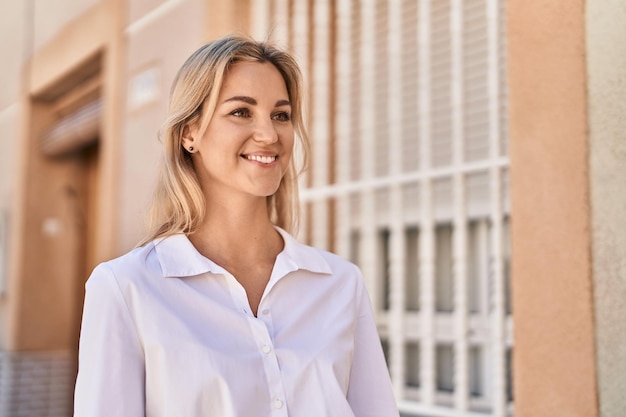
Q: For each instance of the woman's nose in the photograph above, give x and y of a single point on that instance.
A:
(265, 132)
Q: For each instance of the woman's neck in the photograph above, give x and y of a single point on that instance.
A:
(236, 234)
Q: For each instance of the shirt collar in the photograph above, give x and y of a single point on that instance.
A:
(179, 258)
(300, 256)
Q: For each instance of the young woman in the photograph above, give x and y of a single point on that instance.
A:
(221, 313)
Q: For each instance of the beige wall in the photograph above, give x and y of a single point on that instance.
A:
(12, 27)
(12, 24)
(157, 44)
(606, 64)
(9, 132)
(138, 9)
(554, 357)
(9, 117)
(50, 16)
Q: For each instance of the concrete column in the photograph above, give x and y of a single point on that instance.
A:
(554, 354)
(606, 66)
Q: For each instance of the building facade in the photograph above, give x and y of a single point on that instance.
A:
(466, 154)
(410, 180)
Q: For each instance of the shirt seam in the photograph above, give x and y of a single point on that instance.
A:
(126, 307)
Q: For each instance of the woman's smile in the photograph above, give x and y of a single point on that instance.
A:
(263, 160)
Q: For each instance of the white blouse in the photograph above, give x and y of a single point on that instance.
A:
(166, 332)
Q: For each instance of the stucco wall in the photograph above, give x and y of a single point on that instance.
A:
(158, 43)
(12, 31)
(50, 16)
(606, 64)
(554, 357)
(12, 24)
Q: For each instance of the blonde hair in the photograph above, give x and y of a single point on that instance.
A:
(179, 204)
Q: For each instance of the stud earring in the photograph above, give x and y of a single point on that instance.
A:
(190, 148)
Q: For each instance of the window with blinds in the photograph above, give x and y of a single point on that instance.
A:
(408, 120)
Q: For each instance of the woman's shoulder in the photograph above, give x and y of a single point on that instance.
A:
(328, 261)
(130, 266)
(338, 262)
(343, 274)
(316, 259)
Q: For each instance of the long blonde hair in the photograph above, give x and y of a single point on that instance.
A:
(179, 204)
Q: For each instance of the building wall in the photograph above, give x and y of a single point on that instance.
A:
(49, 17)
(157, 44)
(554, 358)
(14, 23)
(12, 26)
(606, 64)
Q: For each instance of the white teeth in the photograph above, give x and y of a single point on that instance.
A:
(262, 159)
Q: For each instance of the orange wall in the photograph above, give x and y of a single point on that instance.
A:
(551, 264)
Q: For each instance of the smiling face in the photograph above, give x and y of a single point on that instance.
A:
(247, 146)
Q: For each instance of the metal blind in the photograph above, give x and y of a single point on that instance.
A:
(410, 181)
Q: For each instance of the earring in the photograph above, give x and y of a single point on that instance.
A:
(191, 149)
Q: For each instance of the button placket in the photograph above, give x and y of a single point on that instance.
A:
(238, 294)
(265, 316)
(265, 346)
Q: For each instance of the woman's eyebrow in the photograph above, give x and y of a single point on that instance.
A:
(245, 99)
(253, 102)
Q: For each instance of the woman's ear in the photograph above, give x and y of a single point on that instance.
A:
(190, 133)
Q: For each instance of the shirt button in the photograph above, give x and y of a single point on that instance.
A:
(265, 312)
(267, 349)
(278, 403)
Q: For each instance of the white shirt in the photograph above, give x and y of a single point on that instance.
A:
(166, 332)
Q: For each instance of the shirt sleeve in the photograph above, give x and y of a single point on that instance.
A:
(369, 393)
(111, 372)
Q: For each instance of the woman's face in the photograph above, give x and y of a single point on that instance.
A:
(248, 143)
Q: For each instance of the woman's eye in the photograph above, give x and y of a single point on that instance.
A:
(240, 113)
(282, 116)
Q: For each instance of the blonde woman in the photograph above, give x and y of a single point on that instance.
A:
(221, 312)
